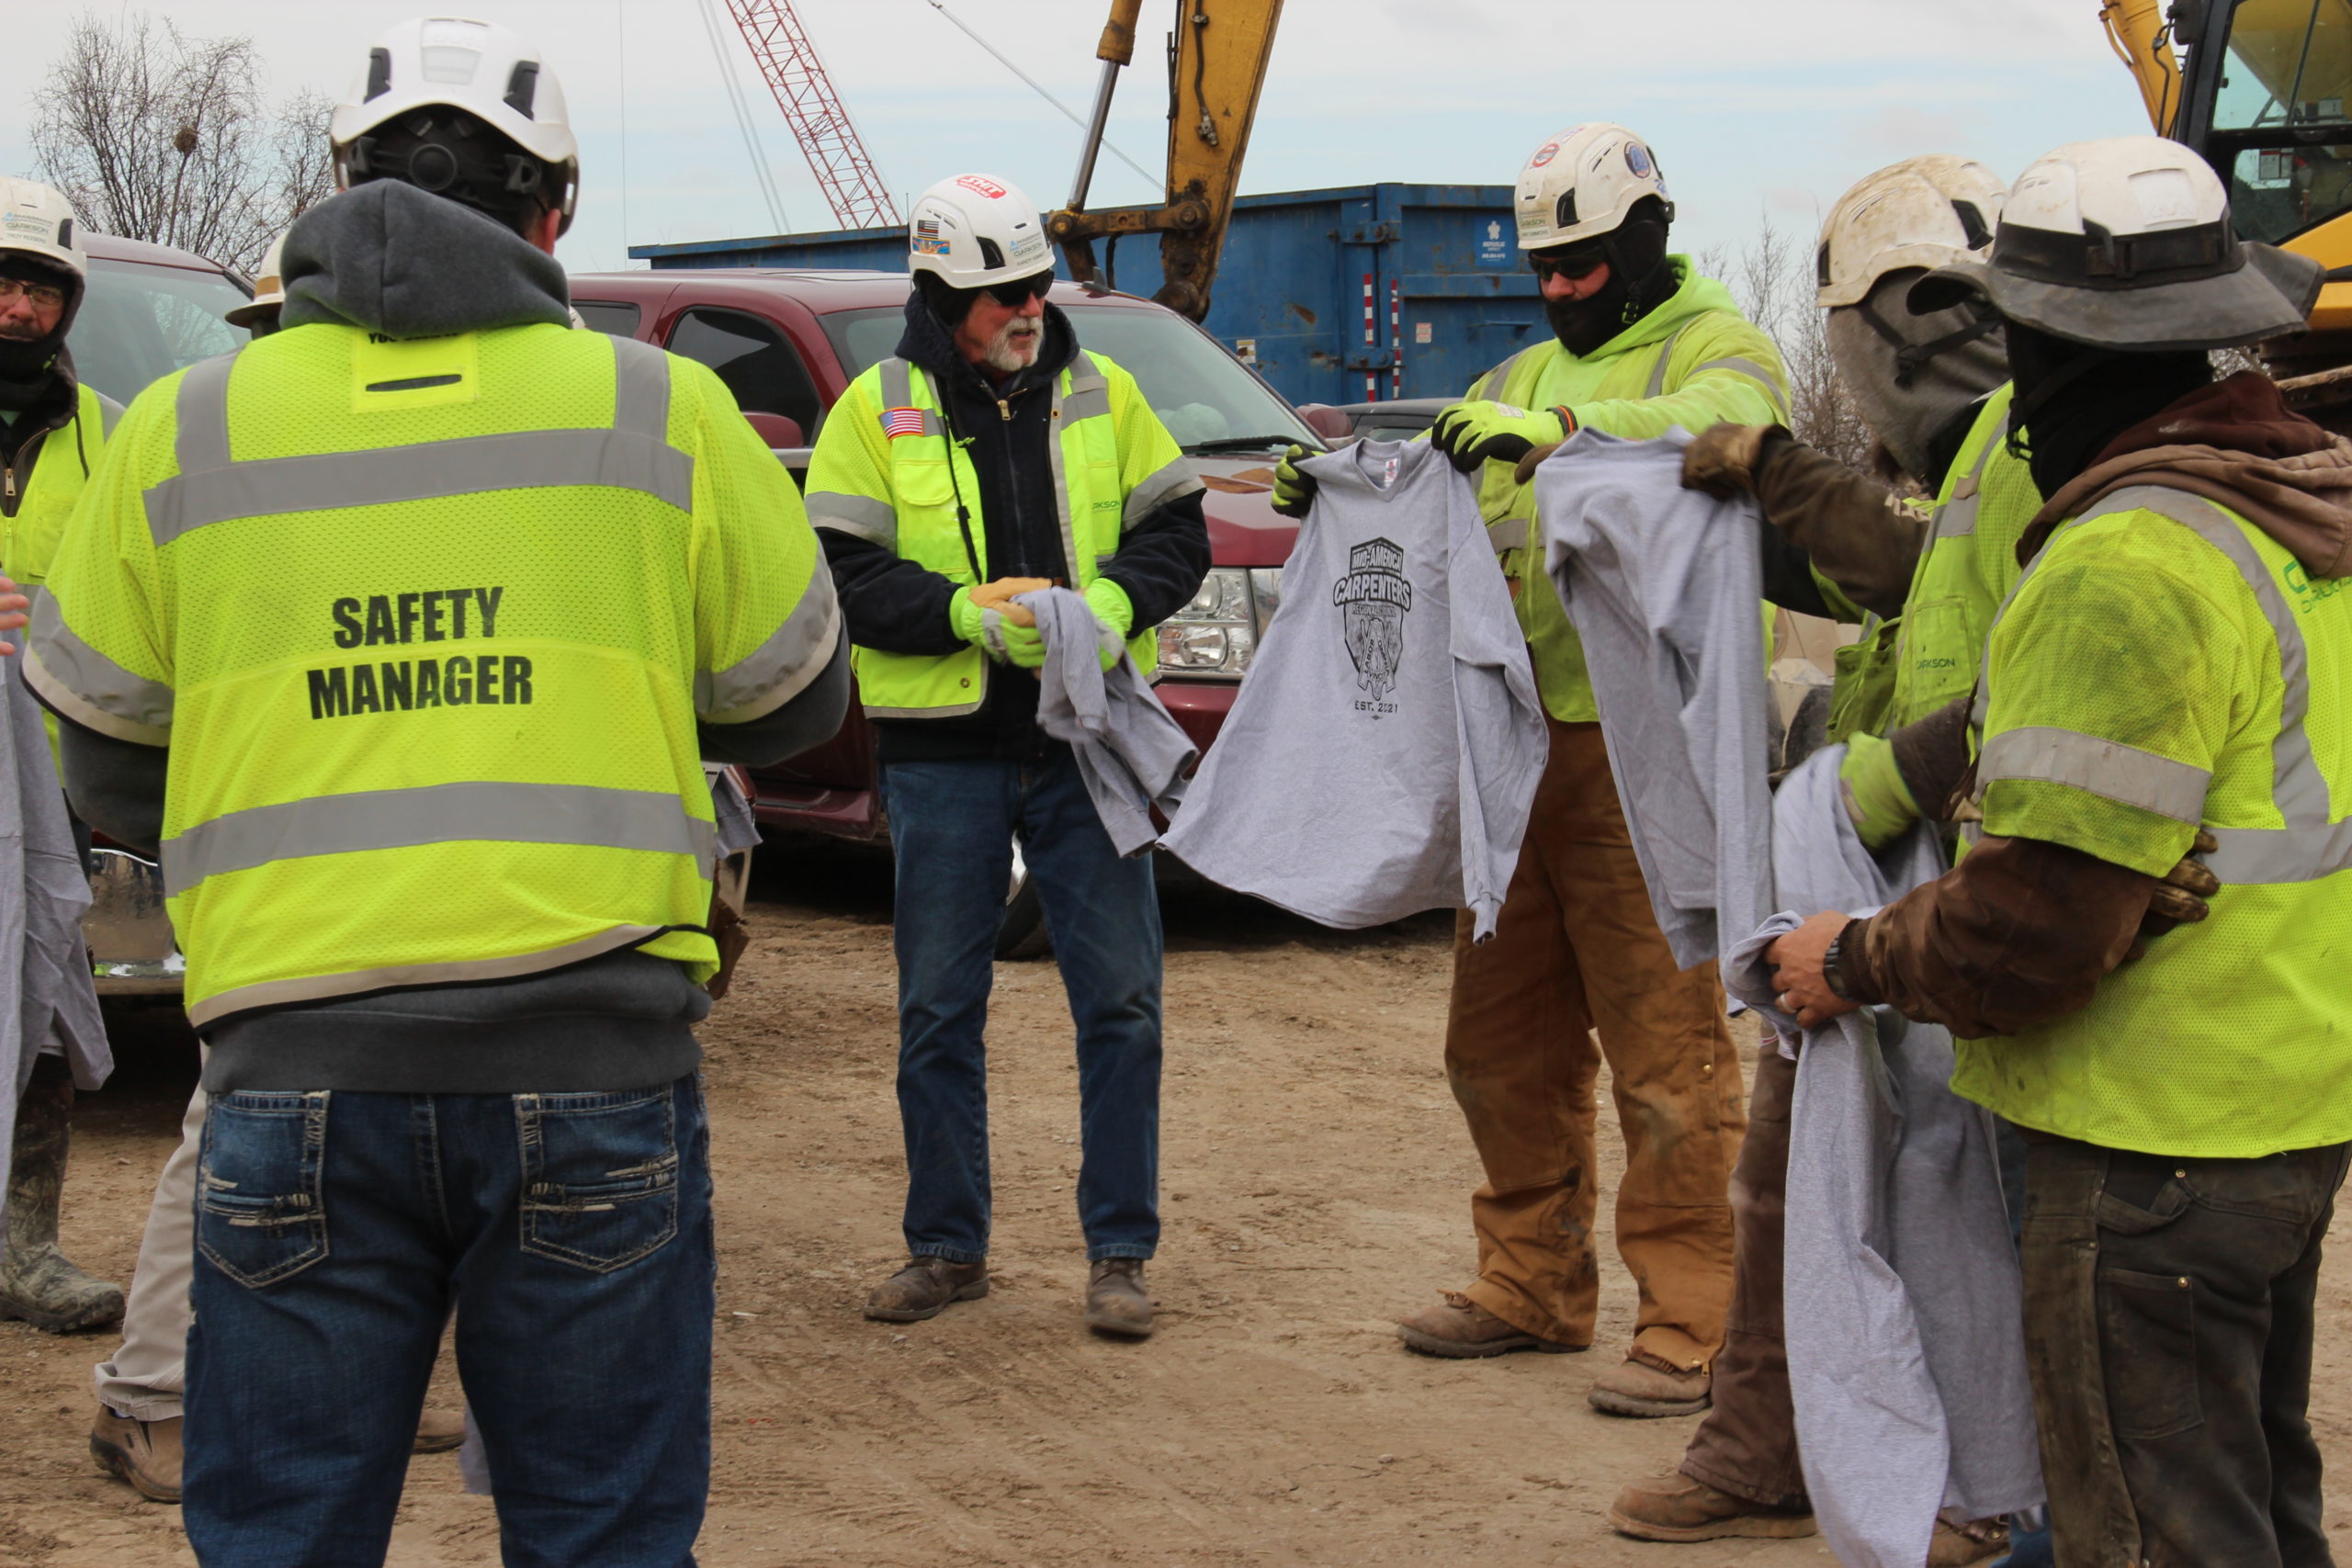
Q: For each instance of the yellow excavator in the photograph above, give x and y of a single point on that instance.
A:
(1216, 63)
(2263, 90)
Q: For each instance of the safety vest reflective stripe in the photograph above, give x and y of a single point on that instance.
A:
(1748, 368)
(1665, 352)
(2310, 845)
(483, 810)
(89, 688)
(2120, 773)
(1175, 480)
(460, 972)
(109, 413)
(1511, 534)
(779, 669)
(1956, 519)
(870, 519)
(635, 454)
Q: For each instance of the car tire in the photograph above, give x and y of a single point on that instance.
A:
(1022, 934)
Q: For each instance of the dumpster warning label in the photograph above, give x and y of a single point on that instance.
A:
(1493, 244)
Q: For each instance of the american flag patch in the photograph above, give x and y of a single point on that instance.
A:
(902, 422)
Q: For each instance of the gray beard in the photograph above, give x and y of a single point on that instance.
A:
(1008, 351)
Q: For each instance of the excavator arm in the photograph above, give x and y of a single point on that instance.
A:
(2141, 37)
(1216, 66)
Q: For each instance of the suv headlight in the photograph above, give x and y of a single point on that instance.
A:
(1217, 634)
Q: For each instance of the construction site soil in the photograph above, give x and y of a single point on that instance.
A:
(1315, 1172)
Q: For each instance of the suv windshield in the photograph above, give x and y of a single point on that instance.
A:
(1201, 394)
(140, 323)
(2279, 119)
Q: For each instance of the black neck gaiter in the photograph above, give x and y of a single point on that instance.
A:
(1639, 282)
(2073, 398)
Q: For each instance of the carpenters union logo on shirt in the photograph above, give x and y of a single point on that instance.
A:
(1374, 599)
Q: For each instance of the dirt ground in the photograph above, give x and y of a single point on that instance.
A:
(1314, 1175)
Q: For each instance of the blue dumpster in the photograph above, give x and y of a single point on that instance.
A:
(1350, 295)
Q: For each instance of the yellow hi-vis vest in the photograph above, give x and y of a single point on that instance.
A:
(885, 472)
(1901, 671)
(427, 627)
(33, 520)
(2163, 666)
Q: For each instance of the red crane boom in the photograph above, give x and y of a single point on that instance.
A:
(828, 137)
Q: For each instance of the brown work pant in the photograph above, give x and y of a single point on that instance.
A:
(1748, 1443)
(1576, 948)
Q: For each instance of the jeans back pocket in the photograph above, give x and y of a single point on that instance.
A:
(600, 1175)
(2147, 1326)
(260, 1211)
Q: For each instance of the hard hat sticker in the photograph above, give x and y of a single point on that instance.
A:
(1544, 154)
(984, 186)
(929, 242)
(1637, 158)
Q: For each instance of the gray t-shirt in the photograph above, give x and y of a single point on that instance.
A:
(1130, 752)
(1665, 590)
(1382, 756)
(1903, 1300)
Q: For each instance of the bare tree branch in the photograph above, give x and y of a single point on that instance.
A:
(153, 135)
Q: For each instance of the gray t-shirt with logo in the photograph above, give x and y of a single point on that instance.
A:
(1382, 756)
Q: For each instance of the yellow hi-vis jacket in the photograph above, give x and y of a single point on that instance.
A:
(38, 497)
(2165, 665)
(1694, 361)
(886, 471)
(427, 626)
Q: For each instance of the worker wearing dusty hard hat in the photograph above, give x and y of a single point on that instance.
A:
(1641, 344)
(2170, 669)
(337, 627)
(53, 431)
(1924, 582)
(991, 454)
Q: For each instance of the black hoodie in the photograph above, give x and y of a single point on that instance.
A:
(901, 607)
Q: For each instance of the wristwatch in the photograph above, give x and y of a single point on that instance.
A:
(1829, 975)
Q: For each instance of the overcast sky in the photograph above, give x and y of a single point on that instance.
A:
(1753, 109)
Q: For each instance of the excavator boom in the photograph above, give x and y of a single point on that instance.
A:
(1216, 66)
(2142, 37)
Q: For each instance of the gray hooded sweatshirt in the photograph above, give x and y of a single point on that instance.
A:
(1382, 756)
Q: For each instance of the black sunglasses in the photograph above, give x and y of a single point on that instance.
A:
(1020, 290)
(1571, 266)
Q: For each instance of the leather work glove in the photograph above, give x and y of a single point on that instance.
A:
(1525, 473)
(1724, 460)
(1117, 613)
(1472, 434)
(2181, 895)
(1294, 490)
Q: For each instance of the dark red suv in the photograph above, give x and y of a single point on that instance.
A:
(787, 342)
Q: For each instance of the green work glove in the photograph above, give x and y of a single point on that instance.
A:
(1876, 797)
(993, 633)
(1472, 434)
(1294, 490)
(1116, 612)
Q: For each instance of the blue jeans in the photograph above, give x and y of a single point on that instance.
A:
(952, 824)
(335, 1233)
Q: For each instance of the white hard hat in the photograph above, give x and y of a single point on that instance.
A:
(490, 72)
(269, 289)
(974, 230)
(1583, 183)
(2125, 243)
(35, 221)
(1921, 212)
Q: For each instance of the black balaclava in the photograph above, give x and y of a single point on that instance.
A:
(24, 377)
(2072, 399)
(1639, 282)
(947, 302)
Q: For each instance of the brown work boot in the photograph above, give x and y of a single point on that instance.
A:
(1681, 1507)
(1461, 1328)
(1644, 1385)
(144, 1453)
(924, 1287)
(1117, 1301)
(438, 1431)
(1958, 1542)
